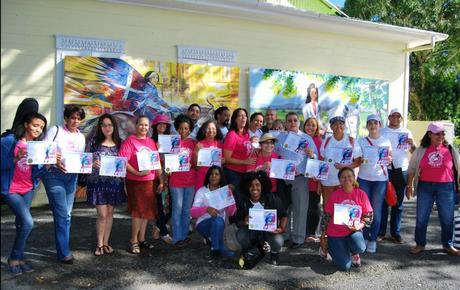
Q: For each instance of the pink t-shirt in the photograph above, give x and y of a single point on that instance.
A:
(260, 162)
(129, 148)
(356, 197)
(202, 170)
(241, 148)
(186, 178)
(436, 165)
(313, 184)
(22, 176)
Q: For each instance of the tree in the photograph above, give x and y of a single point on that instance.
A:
(434, 74)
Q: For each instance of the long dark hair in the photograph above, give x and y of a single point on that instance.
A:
(99, 136)
(182, 118)
(28, 105)
(233, 119)
(155, 131)
(223, 181)
(261, 176)
(310, 87)
(20, 130)
(426, 141)
(201, 135)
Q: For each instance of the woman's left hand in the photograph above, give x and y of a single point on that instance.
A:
(356, 227)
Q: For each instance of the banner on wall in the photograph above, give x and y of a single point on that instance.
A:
(129, 87)
(351, 97)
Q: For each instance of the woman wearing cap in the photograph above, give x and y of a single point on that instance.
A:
(299, 207)
(237, 149)
(264, 157)
(161, 125)
(140, 185)
(400, 162)
(373, 177)
(312, 128)
(432, 170)
(332, 151)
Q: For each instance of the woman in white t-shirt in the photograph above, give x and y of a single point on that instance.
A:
(373, 175)
(60, 186)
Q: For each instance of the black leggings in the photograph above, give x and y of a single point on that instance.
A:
(313, 213)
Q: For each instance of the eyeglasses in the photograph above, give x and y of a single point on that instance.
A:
(107, 125)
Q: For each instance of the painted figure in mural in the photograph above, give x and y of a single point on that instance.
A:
(311, 107)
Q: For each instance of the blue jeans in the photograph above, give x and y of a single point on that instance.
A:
(60, 188)
(213, 228)
(341, 249)
(375, 191)
(182, 199)
(396, 212)
(20, 206)
(444, 195)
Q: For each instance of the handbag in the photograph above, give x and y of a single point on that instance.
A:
(82, 179)
(230, 240)
(396, 176)
(391, 198)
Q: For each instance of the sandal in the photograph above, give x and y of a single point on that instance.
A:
(134, 248)
(146, 245)
(108, 249)
(99, 251)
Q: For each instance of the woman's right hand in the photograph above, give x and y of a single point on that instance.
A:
(212, 211)
(143, 173)
(97, 164)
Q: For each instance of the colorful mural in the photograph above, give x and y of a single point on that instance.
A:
(129, 87)
(353, 98)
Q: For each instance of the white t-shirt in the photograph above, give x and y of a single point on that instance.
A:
(327, 153)
(400, 156)
(200, 200)
(66, 141)
(258, 133)
(374, 172)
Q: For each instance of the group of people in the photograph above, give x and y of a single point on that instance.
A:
(248, 143)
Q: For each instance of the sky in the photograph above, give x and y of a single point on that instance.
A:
(338, 3)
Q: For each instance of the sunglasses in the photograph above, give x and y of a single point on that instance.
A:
(439, 134)
(268, 142)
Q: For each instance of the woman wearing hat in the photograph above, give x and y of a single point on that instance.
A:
(331, 150)
(264, 156)
(433, 169)
(373, 177)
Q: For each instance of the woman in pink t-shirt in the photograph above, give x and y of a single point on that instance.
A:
(433, 166)
(345, 241)
(208, 136)
(182, 184)
(237, 149)
(140, 185)
(19, 177)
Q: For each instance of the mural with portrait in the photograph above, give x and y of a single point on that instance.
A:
(318, 95)
(130, 87)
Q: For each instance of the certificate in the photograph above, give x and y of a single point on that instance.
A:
(113, 166)
(317, 169)
(262, 219)
(208, 157)
(295, 143)
(347, 214)
(148, 160)
(402, 141)
(374, 155)
(274, 133)
(168, 143)
(220, 198)
(78, 162)
(340, 155)
(177, 162)
(282, 169)
(41, 152)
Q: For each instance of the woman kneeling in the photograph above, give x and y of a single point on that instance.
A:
(344, 234)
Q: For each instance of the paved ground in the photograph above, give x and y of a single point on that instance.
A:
(168, 268)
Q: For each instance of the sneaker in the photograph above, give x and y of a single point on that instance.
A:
(167, 239)
(296, 245)
(324, 255)
(26, 267)
(355, 260)
(371, 247)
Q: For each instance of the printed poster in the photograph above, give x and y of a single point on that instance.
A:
(282, 169)
(347, 214)
(148, 160)
(113, 166)
(78, 162)
(317, 169)
(208, 157)
(41, 152)
(262, 219)
(220, 198)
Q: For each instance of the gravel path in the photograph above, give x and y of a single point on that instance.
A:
(166, 267)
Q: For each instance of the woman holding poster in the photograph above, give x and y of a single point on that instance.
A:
(208, 136)
(104, 192)
(182, 184)
(18, 183)
(141, 185)
(257, 191)
(346, 213)
(373, 175)
(60, 186)
(211, 221)
(238, 149)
